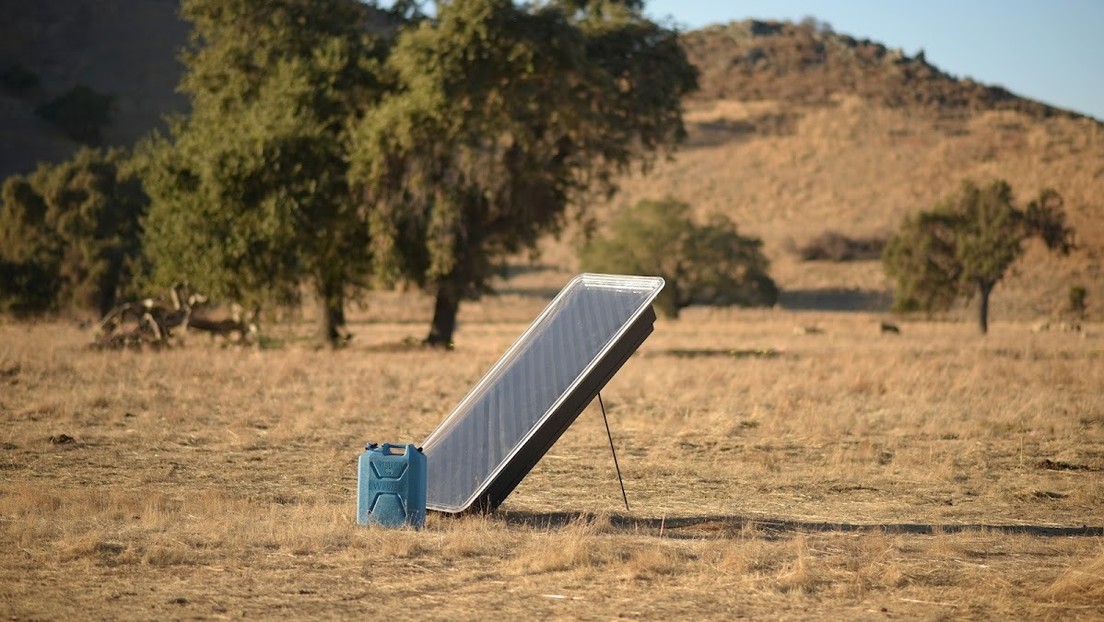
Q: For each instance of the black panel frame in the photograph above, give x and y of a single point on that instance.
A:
(570, 403)
(575, 402)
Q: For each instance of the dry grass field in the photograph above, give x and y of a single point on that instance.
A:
(786, 464)
(836, 474)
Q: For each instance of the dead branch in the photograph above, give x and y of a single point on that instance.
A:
(157, 323)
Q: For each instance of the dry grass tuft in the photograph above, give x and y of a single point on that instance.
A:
(654, 561)
(1082, 583)
(474, 537)
(578, 545)
(800, 572)
(747, 556)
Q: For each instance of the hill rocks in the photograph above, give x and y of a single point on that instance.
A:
(121, 50)
(807, 63)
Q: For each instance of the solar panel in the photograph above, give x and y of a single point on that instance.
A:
(517, 411)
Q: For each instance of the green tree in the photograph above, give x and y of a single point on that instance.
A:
(706, 264)
(504, 115)
(966, 245)
(69, 233)
(27, 289)
(250, 192)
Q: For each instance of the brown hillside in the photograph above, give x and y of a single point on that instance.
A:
(123, 49)
(788, 173)
(801, 63)
(797, 131)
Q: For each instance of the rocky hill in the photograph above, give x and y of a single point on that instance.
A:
(807, 63)
(115, 58)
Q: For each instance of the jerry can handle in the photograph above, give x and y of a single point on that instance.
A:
(390, 449)
(393, 450)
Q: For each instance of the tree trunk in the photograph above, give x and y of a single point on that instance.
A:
(444, 316)
(677, 301)
(983, 306)
(105, 293)
(332, 326)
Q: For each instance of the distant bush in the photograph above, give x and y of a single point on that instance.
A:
(17, 78)
(27, 288)
(80, 113)
(834, 246)
(1078, 301)
(70, 234)
(703, 264)
(812, 24)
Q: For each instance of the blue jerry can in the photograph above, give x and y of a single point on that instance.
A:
(391, 486)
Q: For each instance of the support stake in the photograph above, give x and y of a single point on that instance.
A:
(614, 452)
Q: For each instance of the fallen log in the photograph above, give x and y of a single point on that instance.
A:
(154, 323)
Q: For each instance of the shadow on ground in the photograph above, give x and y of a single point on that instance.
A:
(855, 300)
(735, 353)
(719, 526)
(835, 300)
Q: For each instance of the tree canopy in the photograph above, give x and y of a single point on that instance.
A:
(967, 244)
(69, 234)
(705, 264)
(250, 192)
(336, 143)
(502, 116)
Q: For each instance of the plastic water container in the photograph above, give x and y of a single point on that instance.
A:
(391, 486)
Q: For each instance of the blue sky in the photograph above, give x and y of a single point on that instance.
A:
(1048, 50)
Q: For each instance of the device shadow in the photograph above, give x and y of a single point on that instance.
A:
(727, 526)
(835, 299)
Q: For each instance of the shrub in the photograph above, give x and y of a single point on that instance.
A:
(703, 264)
(27, 288)
(1078, 301)
(17, 78)
(70, 234)
(834, 246)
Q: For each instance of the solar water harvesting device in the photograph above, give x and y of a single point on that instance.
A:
(516, 412)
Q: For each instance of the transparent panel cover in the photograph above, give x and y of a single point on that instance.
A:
(519, 393)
